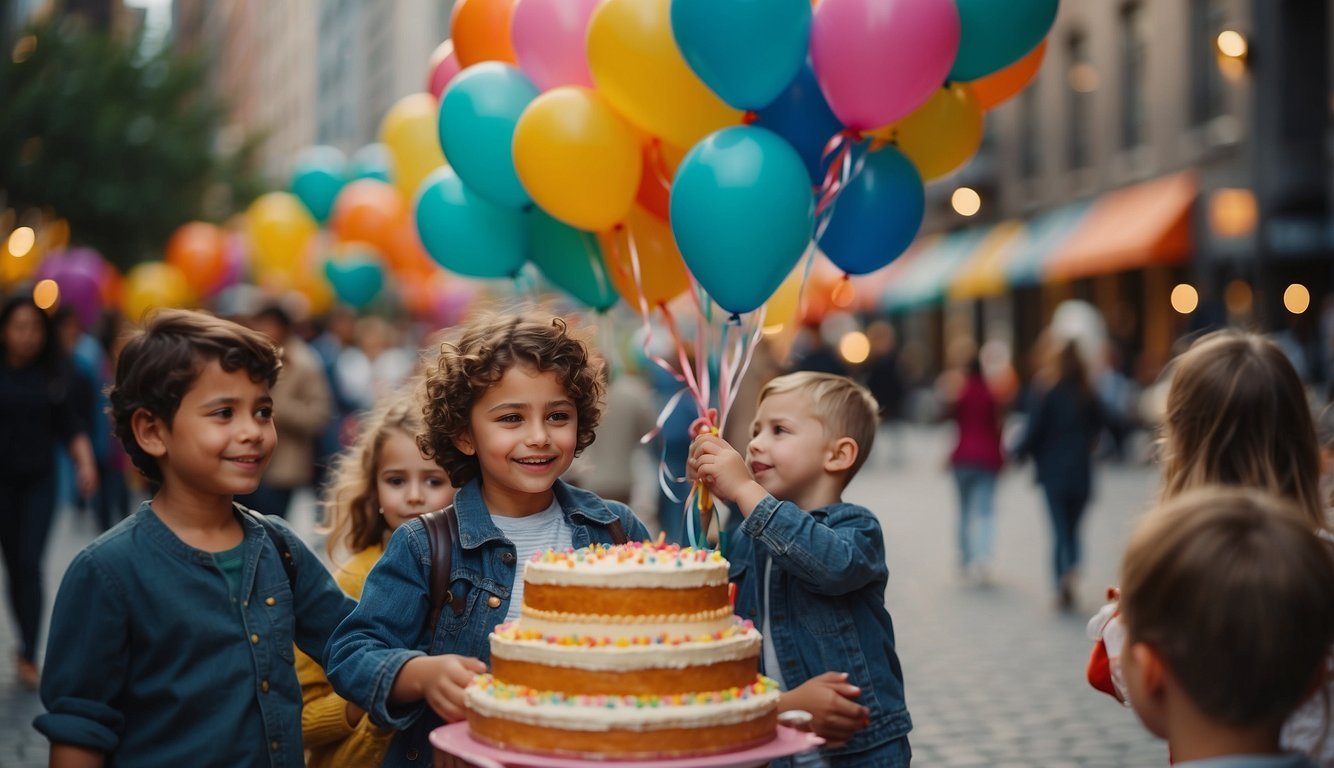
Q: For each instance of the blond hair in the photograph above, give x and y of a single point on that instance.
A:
(1237, 415)
(844, 407)
(1235, 592)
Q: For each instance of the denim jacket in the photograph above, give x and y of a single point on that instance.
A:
(828, 609)
(151, 660)
(388, 627)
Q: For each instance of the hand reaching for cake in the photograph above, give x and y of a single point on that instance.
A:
(828, 697)
(439, 680)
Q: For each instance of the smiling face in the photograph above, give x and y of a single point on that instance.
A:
(407, 484)
(788, 448)
(523, 431)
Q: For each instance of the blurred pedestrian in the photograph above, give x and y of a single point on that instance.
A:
(607, 467)
(976, 462)
(884, 378)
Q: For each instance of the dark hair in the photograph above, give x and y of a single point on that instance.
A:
(487, 348)
(161, 362)
(49, 356)
(1235, 592)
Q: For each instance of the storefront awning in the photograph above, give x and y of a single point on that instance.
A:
(1130, 228)
(983, 272)
(925, 271)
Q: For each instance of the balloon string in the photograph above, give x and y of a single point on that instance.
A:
(839, 149)
(657, 163)
(596, 264)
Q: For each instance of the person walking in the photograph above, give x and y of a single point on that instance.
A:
(976, 463)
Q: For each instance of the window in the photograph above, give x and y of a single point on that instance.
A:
(1083, 81)
(1134, 51)
(1206, 82)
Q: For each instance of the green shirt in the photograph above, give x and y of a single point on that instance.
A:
(230, 562)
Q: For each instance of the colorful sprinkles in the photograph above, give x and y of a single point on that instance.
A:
(638, 552)
(514, 632)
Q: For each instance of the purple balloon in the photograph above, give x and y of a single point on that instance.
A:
(79, 272)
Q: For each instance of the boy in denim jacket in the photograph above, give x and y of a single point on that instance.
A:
(809, 568)
(171, 638)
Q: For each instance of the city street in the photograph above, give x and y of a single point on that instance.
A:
(994, 674)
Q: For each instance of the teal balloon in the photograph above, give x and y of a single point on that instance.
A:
(746, 51)
(742, 214)
(356, 279)
(571, 259)
(996, 33)
(317, 178)
(466, 233)
(478, 112)
(876, 215)
(372, 161)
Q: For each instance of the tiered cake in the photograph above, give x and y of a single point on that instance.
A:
(629, 651)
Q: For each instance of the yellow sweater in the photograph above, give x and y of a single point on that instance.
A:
(330, 741)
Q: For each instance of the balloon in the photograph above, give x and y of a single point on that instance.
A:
(198, 250)
(742, 214)
(550, 41)
(781, 309)
(877, 214)
(441, 68)
(662, 273)
(802, 116)
(876, 60)
(942, 134)
(480, 30)
(747, 51)
(577, 158)
(234, 259)
(477, 117)
(355, 275)
(367, 211)
(997, 33)
(80, 274)
(638, 68)
(405, 256)
(409, 130)
(996, 87)
(655, 183)
(571, 259)
(373, 161)
(154, 284)
(467, 234)
(317, 177)
(279, 227)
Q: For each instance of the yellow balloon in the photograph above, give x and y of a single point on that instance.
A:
(942, 134)
(155, 284)
(577, 158)
(409, 130)
(662, 273)
(637, 66)
(780, 311)
(279, 227)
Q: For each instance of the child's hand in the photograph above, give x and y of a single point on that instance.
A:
(722, 469)
(443, 682)
(828, 697)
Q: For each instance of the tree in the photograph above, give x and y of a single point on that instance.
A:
(120, 144)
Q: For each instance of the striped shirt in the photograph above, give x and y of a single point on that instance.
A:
(530, 535)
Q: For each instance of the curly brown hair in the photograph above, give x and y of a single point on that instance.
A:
(485, 349)
(160, 363)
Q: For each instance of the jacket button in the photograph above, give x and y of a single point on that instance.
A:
(411, 755)
(270, 601)
(493, 601)
(264, 685)
(245, 604)
(273, 745)
(507, 558)
(254, 639)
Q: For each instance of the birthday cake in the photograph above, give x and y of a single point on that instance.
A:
(630, 652)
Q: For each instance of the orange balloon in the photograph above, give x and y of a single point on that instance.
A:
(197, 250)
(655, 184)
(405, 256)
(662, 273)
(1001, 85)
(368, 211)
(480, 30)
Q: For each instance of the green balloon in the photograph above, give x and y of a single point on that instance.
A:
(571, 259)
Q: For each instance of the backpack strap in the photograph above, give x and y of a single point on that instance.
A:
(617, 532)
(279, 543)
(442, 528)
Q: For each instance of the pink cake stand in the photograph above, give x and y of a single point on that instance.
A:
(454, 739)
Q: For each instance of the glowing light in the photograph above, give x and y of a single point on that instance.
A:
(854, 347)
(1083, 77)
(1297, 299)
(843, 294)
(966, 201)
(23, 48)
(45, 294)
(772, 330)
(21, 241)
(1233, 212)
(1185, 299)
(1238, 297)
(1232, 44)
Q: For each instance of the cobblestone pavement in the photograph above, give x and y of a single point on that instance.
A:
(994, 674)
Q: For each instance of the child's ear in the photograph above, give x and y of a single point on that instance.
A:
(463, 441)
(149, 432)
(1150, 668)
(842, 455)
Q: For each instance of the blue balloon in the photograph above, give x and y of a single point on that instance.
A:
(803, 117)
(466, 233)
(373, 161)
(747, 51)
(996, 33)
(876, 215)
(571, 259)
(317, 178)
(356, 280)
(478, 112)
(741, 212)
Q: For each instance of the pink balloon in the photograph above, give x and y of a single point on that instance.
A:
(549, 39)
(878, 60)
(444, 65)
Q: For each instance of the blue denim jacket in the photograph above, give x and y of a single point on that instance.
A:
(388, 627)
(151, 660)
(828, 610)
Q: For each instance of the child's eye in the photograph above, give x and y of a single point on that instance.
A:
(511, 418)
(222, 413)
(780, 430)
(435, 482)
(559, 416)
(393, 481)
(265, 413)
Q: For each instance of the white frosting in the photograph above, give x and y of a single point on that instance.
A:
(613, 658)
(610, 573)
(581, 717)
